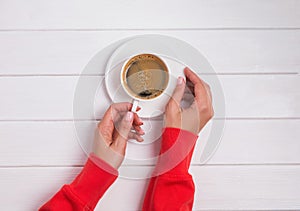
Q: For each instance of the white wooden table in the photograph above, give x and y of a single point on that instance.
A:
(253, 45)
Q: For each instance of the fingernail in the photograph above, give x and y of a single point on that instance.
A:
(179, 80)
(129, 116)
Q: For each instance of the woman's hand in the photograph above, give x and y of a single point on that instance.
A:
(198, 96)
(113, 132)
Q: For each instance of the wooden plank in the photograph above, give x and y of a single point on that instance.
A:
(249, 188)
(217, 188)
(40, 53)
(57, 143)
(169, 14)
(40, 98)
(255, 96)
(259, 142)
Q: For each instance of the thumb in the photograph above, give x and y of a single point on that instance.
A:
(179, 90)
(123, 128)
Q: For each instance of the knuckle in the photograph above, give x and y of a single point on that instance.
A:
(211, 114)
(99, 126)
(207, 86)
(204, 82)
(206, 111)
(204, 108)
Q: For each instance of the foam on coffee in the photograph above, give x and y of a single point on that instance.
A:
(145, 76)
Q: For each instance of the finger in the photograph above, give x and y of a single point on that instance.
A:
(123, 129)
(189, 87)
(115, 109)
(201, 95)
(123, 106)
(138, 129)
(137, 120)
(135, 136)
(179, 91)
(188, 97)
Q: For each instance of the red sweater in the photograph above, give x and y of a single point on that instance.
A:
(173, 188)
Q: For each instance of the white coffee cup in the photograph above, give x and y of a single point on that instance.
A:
(144, 77)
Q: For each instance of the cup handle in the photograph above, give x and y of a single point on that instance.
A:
(134, 105)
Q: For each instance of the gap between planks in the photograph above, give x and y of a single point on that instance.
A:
(154, 119)
(148, 165)
(151, 29)
(102, 75)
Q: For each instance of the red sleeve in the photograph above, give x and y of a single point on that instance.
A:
(172, 187)
(87, 188)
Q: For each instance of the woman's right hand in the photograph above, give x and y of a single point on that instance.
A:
(198, 95)
(117, 126)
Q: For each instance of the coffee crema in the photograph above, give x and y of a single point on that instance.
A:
(145, 76)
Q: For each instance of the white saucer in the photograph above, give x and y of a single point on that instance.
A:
(178, 53)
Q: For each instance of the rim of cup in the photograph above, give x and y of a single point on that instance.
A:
(130, 94)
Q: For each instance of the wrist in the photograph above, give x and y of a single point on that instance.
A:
(176, 151)
(180, 137)
(182, 125)
(103, 164)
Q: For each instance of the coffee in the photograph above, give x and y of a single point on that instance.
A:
(145, 76)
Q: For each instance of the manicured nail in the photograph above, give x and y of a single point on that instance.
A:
(129, 116)
(179, 80)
